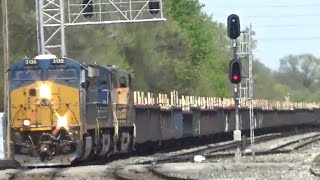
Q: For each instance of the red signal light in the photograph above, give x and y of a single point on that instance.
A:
(235, 77)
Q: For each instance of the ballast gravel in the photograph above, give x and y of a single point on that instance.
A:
(295, 165)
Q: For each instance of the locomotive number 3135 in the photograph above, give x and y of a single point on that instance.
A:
(57, 61)
(30, 61)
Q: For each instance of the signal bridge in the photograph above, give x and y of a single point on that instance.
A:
(53, 16)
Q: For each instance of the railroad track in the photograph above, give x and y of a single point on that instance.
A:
(213, 150)
(226, 145)
(285, 147)
(148, 169)
(145, 173)
(296, 144)
(315, 166)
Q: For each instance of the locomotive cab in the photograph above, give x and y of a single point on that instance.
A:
(121, 82)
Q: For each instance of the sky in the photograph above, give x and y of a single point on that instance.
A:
(282, 27)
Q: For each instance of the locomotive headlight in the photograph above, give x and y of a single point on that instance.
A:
(45, 91)
(63, 122)
(26, 122)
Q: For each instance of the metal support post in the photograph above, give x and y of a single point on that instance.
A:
(5, 70)
(246, 88)
(252, 120)
(62, 27)
(38, 26)
(237, 132)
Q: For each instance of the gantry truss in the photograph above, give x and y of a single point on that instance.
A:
(245, 49)
(53, 16)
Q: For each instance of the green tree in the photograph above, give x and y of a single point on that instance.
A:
(188, 52)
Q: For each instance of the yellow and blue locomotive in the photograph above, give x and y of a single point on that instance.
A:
(62, 111)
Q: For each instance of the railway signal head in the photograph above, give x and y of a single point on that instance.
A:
(154, 7)
(235, 71)
(87, 8)
(233, 26)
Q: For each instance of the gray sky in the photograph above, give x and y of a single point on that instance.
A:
(282, 27)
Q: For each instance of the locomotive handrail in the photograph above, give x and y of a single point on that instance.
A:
(98, 103)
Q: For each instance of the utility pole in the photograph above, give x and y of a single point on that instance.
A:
(5, 71)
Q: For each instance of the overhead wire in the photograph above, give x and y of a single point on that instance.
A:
(287, 26)
(271, 6)
(281, 16)
(289, 38)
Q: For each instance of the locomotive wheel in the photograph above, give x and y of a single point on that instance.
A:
(105, 144)
(125, 142)
(131, 144)
(87, 148)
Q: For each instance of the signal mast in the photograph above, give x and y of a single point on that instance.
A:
(233, 27)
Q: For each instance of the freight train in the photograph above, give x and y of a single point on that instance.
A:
(62, 111)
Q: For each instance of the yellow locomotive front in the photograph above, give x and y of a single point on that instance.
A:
(45, 111)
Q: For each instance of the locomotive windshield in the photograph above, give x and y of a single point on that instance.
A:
(63, 76)
(22, 77)
(27, 75)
